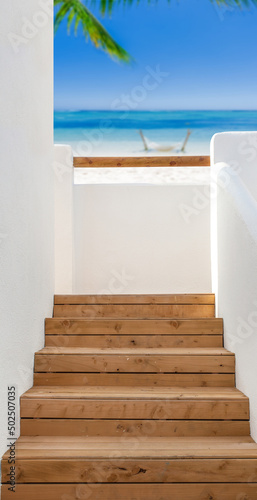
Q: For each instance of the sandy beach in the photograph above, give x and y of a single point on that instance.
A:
(107, 133)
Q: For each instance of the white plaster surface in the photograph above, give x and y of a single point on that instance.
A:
(26, 196)
(239, 151)
(234, 260)
(141, 239)
(64, 189)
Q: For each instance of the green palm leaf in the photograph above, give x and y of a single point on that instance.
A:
(78, 12)
(106, 6)
(235, 3)
(92, 28)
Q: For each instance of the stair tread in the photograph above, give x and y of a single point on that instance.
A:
(123, 428)
(62, 447)
(126, 393)
(134, 351)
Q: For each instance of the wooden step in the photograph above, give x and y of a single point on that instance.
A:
(135, 306)
(123, 341)
(119, 491)
(134, 399)
(134, 380)
(159, 360)
(126, 460)
(133, 428)
(182, 298)
(79, 326)
(134, 333)
(135, 311)
(159, 403)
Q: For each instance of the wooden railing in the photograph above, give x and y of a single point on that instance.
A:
(141, 161)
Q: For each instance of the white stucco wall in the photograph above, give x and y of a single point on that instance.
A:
(26, 192)
(64, 217)
(141, 239)
(239, 151)
(234, 257)
(237, 284)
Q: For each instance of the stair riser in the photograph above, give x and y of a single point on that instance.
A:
(133, 428)
(123, 409)
(225, 491)
(181, 298)
(210, 326)
(148, 341)
(151, 435)
(134, 363)
(136, 380)
(133, 471)
(134, 311)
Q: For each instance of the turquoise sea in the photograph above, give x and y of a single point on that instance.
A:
(113, 133)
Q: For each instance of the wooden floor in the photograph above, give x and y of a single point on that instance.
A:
(134, 398)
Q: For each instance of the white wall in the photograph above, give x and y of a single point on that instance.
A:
(64, 190)
(141, 239)
(239, 151)
(234, 244)
(26, 192)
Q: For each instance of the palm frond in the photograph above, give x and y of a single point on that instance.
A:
(70, 19)
(235, 3)
(106, 6)
(77, 11)
(64, 9)
(92, 28)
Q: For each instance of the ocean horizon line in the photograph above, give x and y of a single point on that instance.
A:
(63, 110)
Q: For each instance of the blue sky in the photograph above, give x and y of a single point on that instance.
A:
(210, 56)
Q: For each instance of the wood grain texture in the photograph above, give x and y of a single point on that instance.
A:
(68, 326)
(194, 470)
(203, 491)
(133, 341)
(204, 298)
(133, 428)
(136, 380)
(127, 351)
(131, 362)
(137, 393)
(141, 161)
(134, 399)
(134, 311)
(134, 409)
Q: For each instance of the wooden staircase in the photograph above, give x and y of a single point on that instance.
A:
(134, 398)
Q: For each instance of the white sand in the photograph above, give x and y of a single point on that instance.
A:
(151, 175)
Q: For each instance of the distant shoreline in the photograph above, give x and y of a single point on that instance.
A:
(107, 133)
